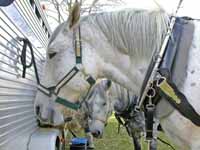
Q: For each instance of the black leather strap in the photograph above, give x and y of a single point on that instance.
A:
(149, 112)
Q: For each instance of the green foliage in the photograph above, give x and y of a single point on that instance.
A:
(113, 141)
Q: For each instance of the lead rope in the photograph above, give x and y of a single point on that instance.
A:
(26, 44)
(166, 143)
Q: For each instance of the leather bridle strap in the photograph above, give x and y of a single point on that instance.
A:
(78, 46)
(66, 79)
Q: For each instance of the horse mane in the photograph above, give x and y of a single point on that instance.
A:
(134, 32)
(115, 90)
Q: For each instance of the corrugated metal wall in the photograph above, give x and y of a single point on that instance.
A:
(24, 18)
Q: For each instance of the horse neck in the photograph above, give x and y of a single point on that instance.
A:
(126, 48)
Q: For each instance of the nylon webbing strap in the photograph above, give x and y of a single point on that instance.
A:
(44, 90)
(67, 103)
(78, 46)
(149, 121)
(66, 79)
(177, 99)
(91, 80)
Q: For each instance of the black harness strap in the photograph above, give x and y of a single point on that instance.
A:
(164, 84)
(169, 55)
(149, 121)
(172, 46)
(168, 89)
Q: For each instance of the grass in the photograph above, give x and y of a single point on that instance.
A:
(113, 141)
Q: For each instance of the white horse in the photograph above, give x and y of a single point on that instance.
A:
(119, 46)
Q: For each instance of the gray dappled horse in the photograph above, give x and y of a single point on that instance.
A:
(119, 46)
(98, 108)
(106, 97)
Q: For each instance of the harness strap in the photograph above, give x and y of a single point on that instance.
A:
(66, 79)
(149, 112)
(176, 98)
(67, 103)
(156, 60)
(172, 46)
(91, 80)
(78, 45)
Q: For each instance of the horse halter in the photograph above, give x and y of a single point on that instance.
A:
(89, 112)
(54, 90)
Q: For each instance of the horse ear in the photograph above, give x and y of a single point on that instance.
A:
(74, 15)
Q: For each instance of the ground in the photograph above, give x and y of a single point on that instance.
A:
(114, 141)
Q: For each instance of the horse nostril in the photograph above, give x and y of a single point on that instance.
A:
(96, 133)
(37, 110)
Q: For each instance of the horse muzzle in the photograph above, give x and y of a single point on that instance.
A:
(97, 134)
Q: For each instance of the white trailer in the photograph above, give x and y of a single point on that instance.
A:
(19, 129)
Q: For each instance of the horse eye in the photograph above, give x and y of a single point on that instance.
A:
(51, 55)
(104, 104)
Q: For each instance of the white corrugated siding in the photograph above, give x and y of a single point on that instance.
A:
(17, 120)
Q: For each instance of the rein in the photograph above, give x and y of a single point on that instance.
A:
(54, 90)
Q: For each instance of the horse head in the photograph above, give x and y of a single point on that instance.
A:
(98, 107)
(63, 76)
